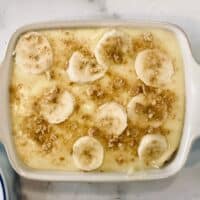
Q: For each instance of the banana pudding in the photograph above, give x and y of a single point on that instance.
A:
(97, 98)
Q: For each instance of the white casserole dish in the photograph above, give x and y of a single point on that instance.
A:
(191, 128)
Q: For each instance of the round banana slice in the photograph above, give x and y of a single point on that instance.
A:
(111, 118)
(151, 149)
(142, 111)
(88, 153)
(83, 69)
(113, 48)
(33, 53)
(57, 106)
(154, 68)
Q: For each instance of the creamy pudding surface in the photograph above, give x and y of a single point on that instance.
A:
(103, 99)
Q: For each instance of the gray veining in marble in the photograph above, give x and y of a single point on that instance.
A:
(183, 186)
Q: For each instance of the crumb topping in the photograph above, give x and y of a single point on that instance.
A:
(152, 112)
(120, 160)
(92, 65)
(154, 62)
(73, 45)
(144, 41)
(114, 50)
(159, 103)
(95, 91)
(92, 131)
(51, 95)
(40, 131)
(118, 83)
(147, 37)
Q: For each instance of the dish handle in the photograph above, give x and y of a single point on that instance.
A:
(1, 102)
(195, 95)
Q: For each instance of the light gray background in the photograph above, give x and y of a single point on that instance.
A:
(183, 186)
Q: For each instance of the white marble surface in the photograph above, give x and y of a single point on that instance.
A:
(183, 186)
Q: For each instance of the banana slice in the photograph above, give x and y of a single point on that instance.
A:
(83, 69)
(33, 53)
(142, 111)
(111, 118)
(154, 68)
(151, 148)
(57, 106)
(88, 153)
(113, 48)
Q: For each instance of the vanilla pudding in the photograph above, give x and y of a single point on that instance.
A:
(97, 98)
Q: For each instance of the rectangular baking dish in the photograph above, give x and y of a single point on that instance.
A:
(191, 127)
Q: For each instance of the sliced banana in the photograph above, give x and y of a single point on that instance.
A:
(83, 69)
(113, 48)
(143, 110)
(154, 68)
(111, 118)
(88, 153)
(57, 106)
(151, 148)
(33, 53)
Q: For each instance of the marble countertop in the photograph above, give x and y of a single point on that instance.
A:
(183, 186)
